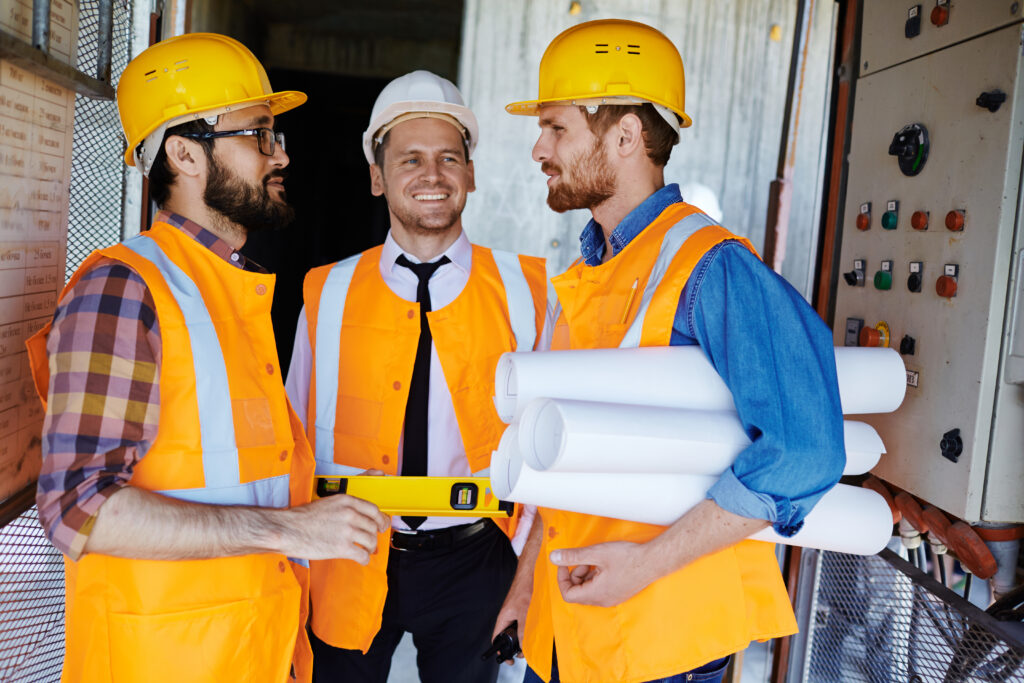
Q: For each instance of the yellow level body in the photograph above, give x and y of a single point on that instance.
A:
(420, 496)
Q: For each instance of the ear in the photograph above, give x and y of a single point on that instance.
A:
(185, 156)
(629, 135)
(376, 181)
(471, 186)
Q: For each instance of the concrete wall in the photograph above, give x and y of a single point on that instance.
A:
(736, 54)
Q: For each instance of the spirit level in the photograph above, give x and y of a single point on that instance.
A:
(420, 496)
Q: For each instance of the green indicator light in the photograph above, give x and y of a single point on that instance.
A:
(889, 220)
(883, 280)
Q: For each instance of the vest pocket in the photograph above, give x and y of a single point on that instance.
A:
(216, 643)
(254, 423)
(358, 416)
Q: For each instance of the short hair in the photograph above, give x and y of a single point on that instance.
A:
(378, 153)
(659, 137)
(161, 175)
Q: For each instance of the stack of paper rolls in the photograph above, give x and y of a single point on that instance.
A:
(643, 449)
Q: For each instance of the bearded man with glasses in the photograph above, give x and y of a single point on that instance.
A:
(176, 477)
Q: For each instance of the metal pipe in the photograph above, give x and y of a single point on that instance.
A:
(106, 40)
(1005, 579)
(41, 25)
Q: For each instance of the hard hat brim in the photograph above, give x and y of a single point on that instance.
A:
(279, 102)
(532, 107)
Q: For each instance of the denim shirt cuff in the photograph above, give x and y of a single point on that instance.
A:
(732, 495)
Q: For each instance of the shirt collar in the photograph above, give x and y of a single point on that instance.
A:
(209, 240)
(592, 237)
(460, 253)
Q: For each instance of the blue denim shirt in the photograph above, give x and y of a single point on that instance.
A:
(775, 355)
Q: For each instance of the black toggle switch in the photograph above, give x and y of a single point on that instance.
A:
(854, 278)
(914, 282)
(991, 100)
(907, 345)
(913, 26)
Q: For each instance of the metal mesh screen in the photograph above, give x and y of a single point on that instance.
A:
(31, 570)
(879, 618)
(97, 168)
(31, 603)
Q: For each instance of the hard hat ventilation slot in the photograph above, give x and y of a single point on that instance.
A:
(633, 50)
(148, 74)
(598, 49)
(181, 68)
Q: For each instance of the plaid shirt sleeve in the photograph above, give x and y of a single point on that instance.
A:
(104, 352)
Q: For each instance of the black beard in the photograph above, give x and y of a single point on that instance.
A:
(249, 206)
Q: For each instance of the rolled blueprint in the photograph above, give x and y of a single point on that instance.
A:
(847, 519)
(562, 435)
(871, 380)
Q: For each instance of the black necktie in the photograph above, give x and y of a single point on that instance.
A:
(414, 450)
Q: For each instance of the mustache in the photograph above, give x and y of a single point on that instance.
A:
(548, 166)
(277, 173)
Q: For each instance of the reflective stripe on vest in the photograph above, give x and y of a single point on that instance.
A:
(221, 476)
(670, 245)
(521, 313)
(328, 344)
(328, 351)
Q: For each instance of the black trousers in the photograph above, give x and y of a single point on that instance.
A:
(448, 600)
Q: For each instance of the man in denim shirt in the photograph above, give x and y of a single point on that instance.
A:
(671, 603)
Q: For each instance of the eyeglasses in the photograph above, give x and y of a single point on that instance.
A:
(265, 137)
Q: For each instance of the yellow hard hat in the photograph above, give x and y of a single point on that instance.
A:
(189, 77)
(610, 61)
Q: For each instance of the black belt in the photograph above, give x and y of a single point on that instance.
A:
(437, 538)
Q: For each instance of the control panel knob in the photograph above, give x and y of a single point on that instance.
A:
(883, 279)
(946, 286)
(854, 278)
(955, 220)
(940, 15)
(910, 147)
(863, 221)
(914, 282)
(919, 221)
(889, 220)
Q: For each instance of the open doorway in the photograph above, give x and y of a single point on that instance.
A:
(341, 54)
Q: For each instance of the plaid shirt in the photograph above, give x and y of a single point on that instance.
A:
(104, 396)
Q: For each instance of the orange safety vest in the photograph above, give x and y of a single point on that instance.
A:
(710, 608)
(229, 439)
(364, 348)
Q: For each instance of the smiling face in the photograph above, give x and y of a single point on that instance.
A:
(573, 158)
(242, 184)
(425, 176)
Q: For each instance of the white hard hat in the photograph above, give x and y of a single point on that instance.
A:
(418, 94)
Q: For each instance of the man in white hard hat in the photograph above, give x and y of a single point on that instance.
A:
(394, 366)
(175, 475)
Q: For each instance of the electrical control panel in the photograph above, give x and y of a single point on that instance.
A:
(929, 257)
(893, 32)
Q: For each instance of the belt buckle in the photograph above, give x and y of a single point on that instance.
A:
(391, 540)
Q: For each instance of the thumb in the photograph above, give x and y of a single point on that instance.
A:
(570, 557)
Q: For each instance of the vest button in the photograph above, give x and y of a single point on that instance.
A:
(551, 532)
(385, 459)
(410, 314)
(280, 566)
(397, 385)
(283, 456)
(270, 369)
(261, 289)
